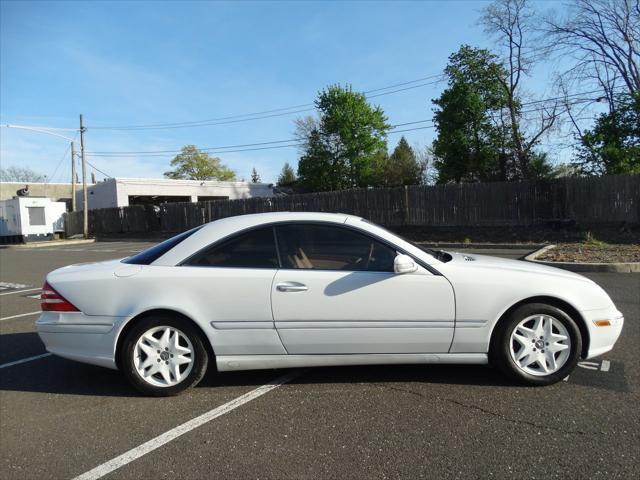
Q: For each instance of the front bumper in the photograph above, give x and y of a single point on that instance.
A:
(603, 338)
(83, 338)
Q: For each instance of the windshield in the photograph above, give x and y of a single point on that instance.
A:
(438, 254)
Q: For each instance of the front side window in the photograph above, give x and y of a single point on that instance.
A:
(325, 247)
(254, 249)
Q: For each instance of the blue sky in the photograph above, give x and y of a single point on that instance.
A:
(130, 63)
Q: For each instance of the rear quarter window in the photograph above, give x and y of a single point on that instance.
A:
(150, 255)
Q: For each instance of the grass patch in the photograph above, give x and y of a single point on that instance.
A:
(589, 240)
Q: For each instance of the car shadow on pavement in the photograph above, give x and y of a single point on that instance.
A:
(59, 376)
(54, 375)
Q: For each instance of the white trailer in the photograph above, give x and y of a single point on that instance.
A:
(28, 219)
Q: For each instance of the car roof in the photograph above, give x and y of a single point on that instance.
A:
(218, 229)
(255, 219)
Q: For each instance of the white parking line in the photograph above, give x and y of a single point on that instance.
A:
(155, 443)
(605, 366)
(25, 360)
(21, 315)
(20, 291)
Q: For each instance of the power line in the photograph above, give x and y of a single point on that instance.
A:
(222, 148)
(96, 168)
(268, 113)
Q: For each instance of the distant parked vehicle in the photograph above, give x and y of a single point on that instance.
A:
(285, 290)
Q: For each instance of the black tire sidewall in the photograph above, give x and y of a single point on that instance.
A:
(200, 355)
(501, 354)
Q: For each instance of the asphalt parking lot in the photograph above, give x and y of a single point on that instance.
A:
(60, 419)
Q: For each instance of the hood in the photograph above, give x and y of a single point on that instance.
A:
(471, 260)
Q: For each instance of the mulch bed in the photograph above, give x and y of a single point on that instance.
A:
(585, 253)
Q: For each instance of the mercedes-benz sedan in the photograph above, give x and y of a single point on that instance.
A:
(283, 290)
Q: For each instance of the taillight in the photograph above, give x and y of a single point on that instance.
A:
(52, 301)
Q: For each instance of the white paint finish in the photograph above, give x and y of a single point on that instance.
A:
(157, 442)
(20, 291)
(325, 318)
(265, 362)
(25, 360)
(339, 312)
(487, 287)
(21, 315)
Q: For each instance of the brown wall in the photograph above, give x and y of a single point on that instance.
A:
(56, 191)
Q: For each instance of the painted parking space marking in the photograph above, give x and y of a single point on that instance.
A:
(20, 291)
(12, 286)
(605, 374)
(25, 360)
(21, 315)
(162, 439)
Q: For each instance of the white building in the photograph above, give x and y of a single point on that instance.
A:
(25, 219)
(122, 192)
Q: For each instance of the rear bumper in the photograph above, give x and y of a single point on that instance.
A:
(83, 338)
(603, 338)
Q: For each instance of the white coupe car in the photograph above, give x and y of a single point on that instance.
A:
(282, 290)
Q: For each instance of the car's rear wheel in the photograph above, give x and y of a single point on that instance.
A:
(163, 355)
(537, 344)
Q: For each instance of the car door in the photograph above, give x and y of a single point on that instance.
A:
(336, 293)
(229, 284)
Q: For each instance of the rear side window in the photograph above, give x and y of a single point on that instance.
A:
(253, 249)
(150, 255)
(327, 247)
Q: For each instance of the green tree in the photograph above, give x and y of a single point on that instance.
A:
(613, 144)
(287, 176)
(192, 164)
(342, 146)
(472, 141)
(402, 167)
(255, 177)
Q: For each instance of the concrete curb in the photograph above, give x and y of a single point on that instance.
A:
(506, 246)
(630, 267)
(52, 243)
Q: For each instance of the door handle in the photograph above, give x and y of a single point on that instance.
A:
(291, 287)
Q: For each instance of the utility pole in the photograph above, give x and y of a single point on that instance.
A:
(73, 177)
(85, 199)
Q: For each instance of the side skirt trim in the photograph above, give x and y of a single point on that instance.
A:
(227, 363)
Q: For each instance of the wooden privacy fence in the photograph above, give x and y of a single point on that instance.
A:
(587, 200)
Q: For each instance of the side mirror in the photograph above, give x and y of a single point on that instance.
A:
(404, 264)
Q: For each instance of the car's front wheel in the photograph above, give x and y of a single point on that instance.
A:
(163, 355)
(537, 344)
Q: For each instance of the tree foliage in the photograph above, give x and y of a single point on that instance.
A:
(287, 176)
(613, 144)
(192, 164)
(255, 177)
(20, 174)
(513, 23)
(341, 147)
(472, 142)
(402, 167)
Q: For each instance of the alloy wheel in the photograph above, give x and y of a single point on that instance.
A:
(163, 356)
(540, 345)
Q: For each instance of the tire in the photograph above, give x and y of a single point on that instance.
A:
(529, 347)
(163, 355)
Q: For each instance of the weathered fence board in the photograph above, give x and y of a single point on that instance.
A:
(587, 200)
